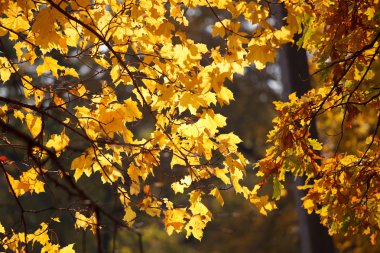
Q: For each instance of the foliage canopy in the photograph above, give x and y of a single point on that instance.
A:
(68, 124)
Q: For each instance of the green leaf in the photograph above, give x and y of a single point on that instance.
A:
(315, 144)
(277, 187)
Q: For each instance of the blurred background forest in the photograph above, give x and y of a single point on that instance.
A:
(237, 227)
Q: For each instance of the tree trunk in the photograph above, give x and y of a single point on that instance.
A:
(295, 78)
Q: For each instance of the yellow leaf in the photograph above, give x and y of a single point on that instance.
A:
(115, 74)
(179, 187)
(373, 238)
(49, 64)
(197, 207)
(28, 182)
(49, 247)
(3, 112)
(134, 172)
(308, 204)
(79, 91)
(58, 142)
(370, 12)
(348, 160)
(175, 220)
(56, 219)
(216, 193)
(71, 72)
(230, 140)
(16, 20)
(218, 28)
(177, 160)
(82, 164)
(194, 101)
(2, 229)
(5, 69)
(130, 216)
(67, 249)
(47, 37)
(39, 96)
(315, 144)
(28, 87)
(195, 227)
(102, 62)
(82, 90)
(131, 112)
(261, 55)
(151, 206)
(225, 96)
(262, 203)
(40, 235)
(195, 196)
(34, 124)
(221, 174)
(82, 221)
(58, 101)
(29, 178)
(18, 115)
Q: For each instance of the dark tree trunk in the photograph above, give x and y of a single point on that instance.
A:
(295, 78)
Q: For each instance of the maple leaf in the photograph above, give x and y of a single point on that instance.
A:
(216, 193)
(28, 87)
(221, 174)
(130, 216)
(151, 206)
(67, 249)
(131, 111)
(49, 64)
(58, 142)
(175, 219)
(195, 227)
(6, 69)
(34, 124)
(180, 186)
(82, 221)
(28, 182)
(46, 34)
(2, 229)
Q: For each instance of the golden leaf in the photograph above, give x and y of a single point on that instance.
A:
(49, 64)
(195, 227)
(67, 249)
(34, 124)
(58, 142)
(216, 193)
(2, 230)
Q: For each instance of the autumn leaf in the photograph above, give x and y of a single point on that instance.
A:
(178, 187)
(67, 249)
(216, 193)
(175, 219)
(2, 230)
(49, 64)
(277, 188)
(82, 221)
(6, 69)
(195, 227)
(34, 124)
(58, 142)
(130, 216)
